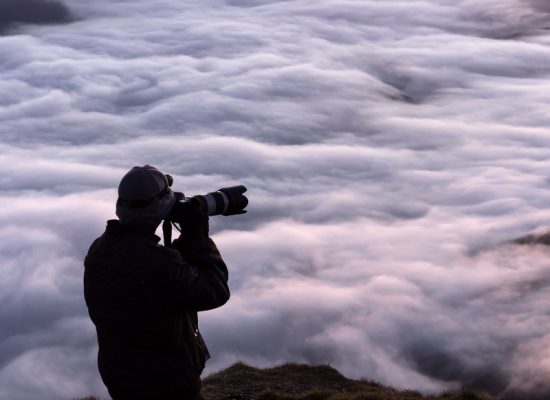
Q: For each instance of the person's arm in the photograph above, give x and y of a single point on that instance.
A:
(196, 276)
(207, 268)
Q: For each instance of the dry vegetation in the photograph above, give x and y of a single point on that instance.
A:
(304, 382)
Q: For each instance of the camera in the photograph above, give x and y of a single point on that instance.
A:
(225, 201)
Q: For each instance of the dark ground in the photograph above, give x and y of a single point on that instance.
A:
(305, 382)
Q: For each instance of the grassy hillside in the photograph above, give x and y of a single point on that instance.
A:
(305, 382)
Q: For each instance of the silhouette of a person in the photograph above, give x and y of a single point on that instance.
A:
(143, 297)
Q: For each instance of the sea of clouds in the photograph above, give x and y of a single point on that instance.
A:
(391, 150)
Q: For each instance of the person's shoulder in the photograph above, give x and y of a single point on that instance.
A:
(98, 242)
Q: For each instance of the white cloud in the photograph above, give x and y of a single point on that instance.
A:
(388, 147)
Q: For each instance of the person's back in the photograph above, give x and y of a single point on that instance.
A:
(143, 297)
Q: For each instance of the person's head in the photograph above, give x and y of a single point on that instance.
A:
(144, 197)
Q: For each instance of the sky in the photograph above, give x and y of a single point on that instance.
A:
(393, 150)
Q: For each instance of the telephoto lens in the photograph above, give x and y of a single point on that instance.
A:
(225, 201)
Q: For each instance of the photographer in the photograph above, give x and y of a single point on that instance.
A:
(143, 297)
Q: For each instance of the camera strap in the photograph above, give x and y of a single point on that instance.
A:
(167, 232)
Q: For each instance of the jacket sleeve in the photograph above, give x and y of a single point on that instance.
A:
(194, 277)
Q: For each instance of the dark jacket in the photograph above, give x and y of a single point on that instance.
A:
(143, 299)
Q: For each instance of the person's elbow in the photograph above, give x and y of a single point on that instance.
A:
(222, 296)
(214, 298)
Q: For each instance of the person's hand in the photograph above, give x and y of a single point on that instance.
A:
(193, 220)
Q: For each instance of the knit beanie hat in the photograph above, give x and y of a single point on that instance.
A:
(144, 197)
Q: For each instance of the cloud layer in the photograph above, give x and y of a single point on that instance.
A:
(391, 150)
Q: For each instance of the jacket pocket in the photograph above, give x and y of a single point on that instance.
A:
(189, 342)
